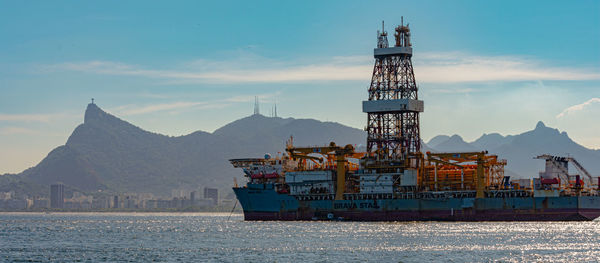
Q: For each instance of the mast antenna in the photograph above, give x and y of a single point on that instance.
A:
(256, 106)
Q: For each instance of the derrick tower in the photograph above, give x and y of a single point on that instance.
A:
(393, 106)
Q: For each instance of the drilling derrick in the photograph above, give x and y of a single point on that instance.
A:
(393, 106)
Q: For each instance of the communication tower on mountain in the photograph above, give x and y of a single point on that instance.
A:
(256, 106)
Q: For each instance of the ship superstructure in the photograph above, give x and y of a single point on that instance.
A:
(395, 180)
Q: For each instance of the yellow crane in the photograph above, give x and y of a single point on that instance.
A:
(333, 153)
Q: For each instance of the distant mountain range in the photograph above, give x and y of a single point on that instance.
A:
(520, 149)
(108, 155)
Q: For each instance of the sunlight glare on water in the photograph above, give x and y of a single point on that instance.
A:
(36, 237)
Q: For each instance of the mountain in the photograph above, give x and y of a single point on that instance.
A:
(519, 150)
(544, 140)
(454, 143)
(437, 140)
(491, 141)
(426, 148)
(108, 154)
(259, 134)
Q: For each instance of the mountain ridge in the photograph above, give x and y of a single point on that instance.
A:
(108, 154)
(520, 149)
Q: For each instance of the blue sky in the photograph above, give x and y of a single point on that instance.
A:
(175, 67)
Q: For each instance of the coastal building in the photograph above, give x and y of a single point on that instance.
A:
(101, 203)
(7, 195)
(40, 203)
(212, 193)
(178, 193)
(13, 204)
(57, 196)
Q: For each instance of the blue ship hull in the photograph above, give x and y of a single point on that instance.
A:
(262, 202)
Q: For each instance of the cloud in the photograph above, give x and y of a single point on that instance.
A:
(17, 130)
(248, 98)
(174, 107)
(31, 117)
(578, 107)
(155, 96)
(455, 67)
(128, 110)
(317, 72)
(449, 67)
(453, 91)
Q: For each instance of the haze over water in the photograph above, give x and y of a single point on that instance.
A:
(167, 237)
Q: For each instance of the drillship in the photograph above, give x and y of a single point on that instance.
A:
(393, 180)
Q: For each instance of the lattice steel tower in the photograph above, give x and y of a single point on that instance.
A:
(393, 106)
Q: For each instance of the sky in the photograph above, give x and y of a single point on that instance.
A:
(175, 67)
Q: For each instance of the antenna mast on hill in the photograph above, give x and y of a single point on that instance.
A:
(256, 108)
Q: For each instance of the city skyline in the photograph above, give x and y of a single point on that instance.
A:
(480, 67)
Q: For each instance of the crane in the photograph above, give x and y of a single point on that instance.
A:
(333, 153)
(560, 163)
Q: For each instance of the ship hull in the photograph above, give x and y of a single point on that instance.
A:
(260, 202)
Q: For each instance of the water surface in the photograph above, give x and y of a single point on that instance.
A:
(211, 237)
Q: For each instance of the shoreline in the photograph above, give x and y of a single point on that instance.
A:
(132, 210)
(116, 212)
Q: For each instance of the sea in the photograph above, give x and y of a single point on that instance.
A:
(224, 237)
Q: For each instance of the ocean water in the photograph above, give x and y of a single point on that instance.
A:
(213, 237)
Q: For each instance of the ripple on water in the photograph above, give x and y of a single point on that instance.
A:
(211, 237)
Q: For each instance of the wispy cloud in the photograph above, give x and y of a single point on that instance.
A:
(578, 107)
(129, 110)
(155, 95)
(316, 72)
(451, 67)
(174, 107)
(17, 131)
(453, 91)
(460, 67)
(248, 98)
(31, 117)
